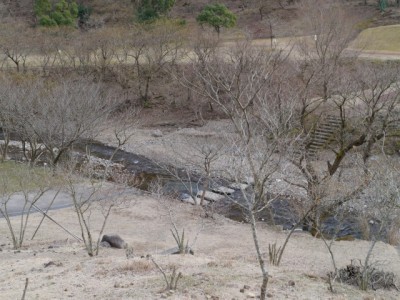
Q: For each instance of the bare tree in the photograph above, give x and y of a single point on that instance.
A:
(58, 115)
(152, 49)
(199, 155)
(247, 84)
(359, 116)
(97, 198)
(20, 190)
(340, 100)
(14, 45)
(379, 208)
(330, 31)
(106, 44)
(5, 124)
(47, 44)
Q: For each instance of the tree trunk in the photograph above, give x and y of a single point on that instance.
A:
(264, 271)
(145, 98)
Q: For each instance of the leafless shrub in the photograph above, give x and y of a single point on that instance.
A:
(52, 116)
(274, 254)
(20, 191)
(95, 198)
(153, 49)
(183, 247)
(247, 84)
(181, 240)
(366, 277)
(170, 280)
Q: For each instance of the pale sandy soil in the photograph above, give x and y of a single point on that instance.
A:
(177, 145)
(224, 259)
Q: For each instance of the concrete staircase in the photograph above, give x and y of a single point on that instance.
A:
(323, 135)
(320, 138)
(394, 127)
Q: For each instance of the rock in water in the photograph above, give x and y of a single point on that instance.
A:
(187, 198)
(210, 196)
(239, 186)
(157, 133)
(223, 190)
(115, 241)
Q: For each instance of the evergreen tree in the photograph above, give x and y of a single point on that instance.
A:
(217, 16)
(53, 13)
(149, 10)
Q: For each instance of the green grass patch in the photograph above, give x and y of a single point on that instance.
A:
(364, 24)
(384, 38)
(15, 177)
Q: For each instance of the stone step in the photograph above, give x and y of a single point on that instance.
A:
(322, 135)
(327, 128)
(311, 154)
(332, 117)
(314, 149)
(331, 124)
(318, 142)
(305, 150)
(315, 145)
(320, 138)
(332, 121)
(323, 139)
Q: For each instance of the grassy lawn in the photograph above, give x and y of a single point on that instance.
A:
(17, 177)
(384, 38)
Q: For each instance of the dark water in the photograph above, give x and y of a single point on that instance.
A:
(178, 182)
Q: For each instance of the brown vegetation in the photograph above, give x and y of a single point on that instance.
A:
(298, 115)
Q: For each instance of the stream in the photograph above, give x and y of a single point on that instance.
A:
(179, 183)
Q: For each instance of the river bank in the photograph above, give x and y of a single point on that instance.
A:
(59, 268)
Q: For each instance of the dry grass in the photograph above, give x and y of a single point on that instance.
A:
(225, 261)
(137, 266)
(384, 38)
(17, 177)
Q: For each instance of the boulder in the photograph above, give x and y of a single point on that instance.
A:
(175, 250)
(157, 133)
(248, 180)
(239, 186)
(223, 190)
(187, 198)
(115, 241)
(250, 295)
(210, 196)
(105, 244)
